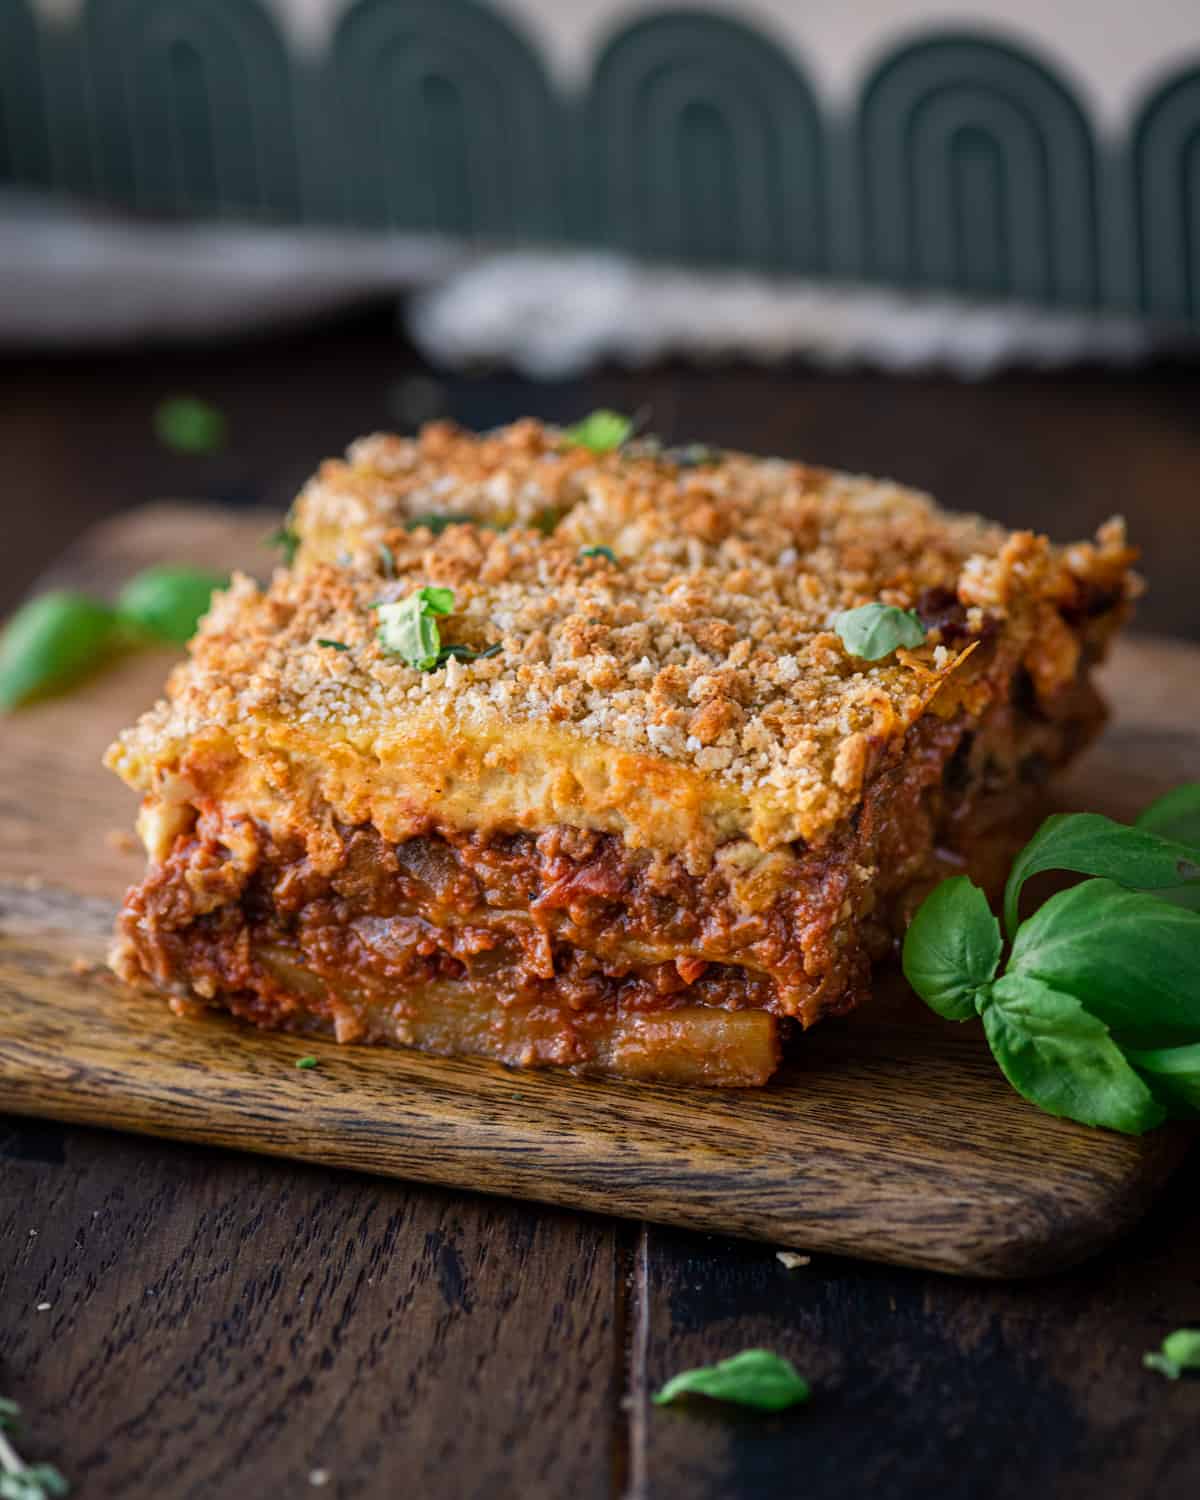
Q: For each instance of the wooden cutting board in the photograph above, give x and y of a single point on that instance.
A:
(892, 1136)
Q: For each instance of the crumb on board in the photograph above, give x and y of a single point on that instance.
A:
(318, 1478)
(81, 965)
(43, 1307)
(791, 1260)
(122, 841)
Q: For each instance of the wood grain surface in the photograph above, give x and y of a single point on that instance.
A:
(892, 1136)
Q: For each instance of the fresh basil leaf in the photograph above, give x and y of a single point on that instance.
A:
(952, 948)
(1090, 844)
(10, 1414)
(1133, 960)
(387, 560)
(601, 551)
(756, 1377)
(601, 431)
(287, 539)
(51, 642)
(873, 631)
(167, 602)
(189, 425)
(467, 653)
(1062, 1059)
(1175, 816)
(1173, 1073)
(408, 627)
(435, 523)
(436, 601)
(333, 645)
(1180, 1351)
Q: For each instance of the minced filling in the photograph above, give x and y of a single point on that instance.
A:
(568, 924)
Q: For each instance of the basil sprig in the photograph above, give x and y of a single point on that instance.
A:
(756, 1377)
(61, 636)
(601, 431)
(1096, 1016)
(1089, 844)
(873, 631)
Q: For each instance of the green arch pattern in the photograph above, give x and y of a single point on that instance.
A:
(24, 140)
(1166, 164)
(969, 164)
(448, 121)
(700, 141)
(977, 171)
(191, 107)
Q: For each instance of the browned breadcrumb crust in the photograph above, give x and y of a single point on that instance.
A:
(708, 644)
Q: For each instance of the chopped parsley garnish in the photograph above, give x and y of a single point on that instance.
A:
(333, 645)
(387, 560)
(288, 540)
(756, 1377)
(600, 431)
(1096, 1016)
(606, 552)
(189, 425)
(1180, 1351)
(306, 1062)
(873, 631)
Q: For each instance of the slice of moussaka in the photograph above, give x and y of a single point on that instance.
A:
(561, 758)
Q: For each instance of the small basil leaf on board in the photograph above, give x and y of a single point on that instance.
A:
(601, 431)
(167, 602)
(873, 631)
(1175, 816)
(1173, 1073)
(1180, 1351)
(1090, 844)
(952, 948)
(756, 1377)
(1062, 1059)
(51, 642)
(1133, 959)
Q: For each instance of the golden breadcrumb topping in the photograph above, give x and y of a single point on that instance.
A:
(707, 639)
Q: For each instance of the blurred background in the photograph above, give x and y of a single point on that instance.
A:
(957, 244)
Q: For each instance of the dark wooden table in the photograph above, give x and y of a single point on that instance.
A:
(220, 1325)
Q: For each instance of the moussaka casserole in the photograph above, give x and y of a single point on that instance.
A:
(560, 758)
